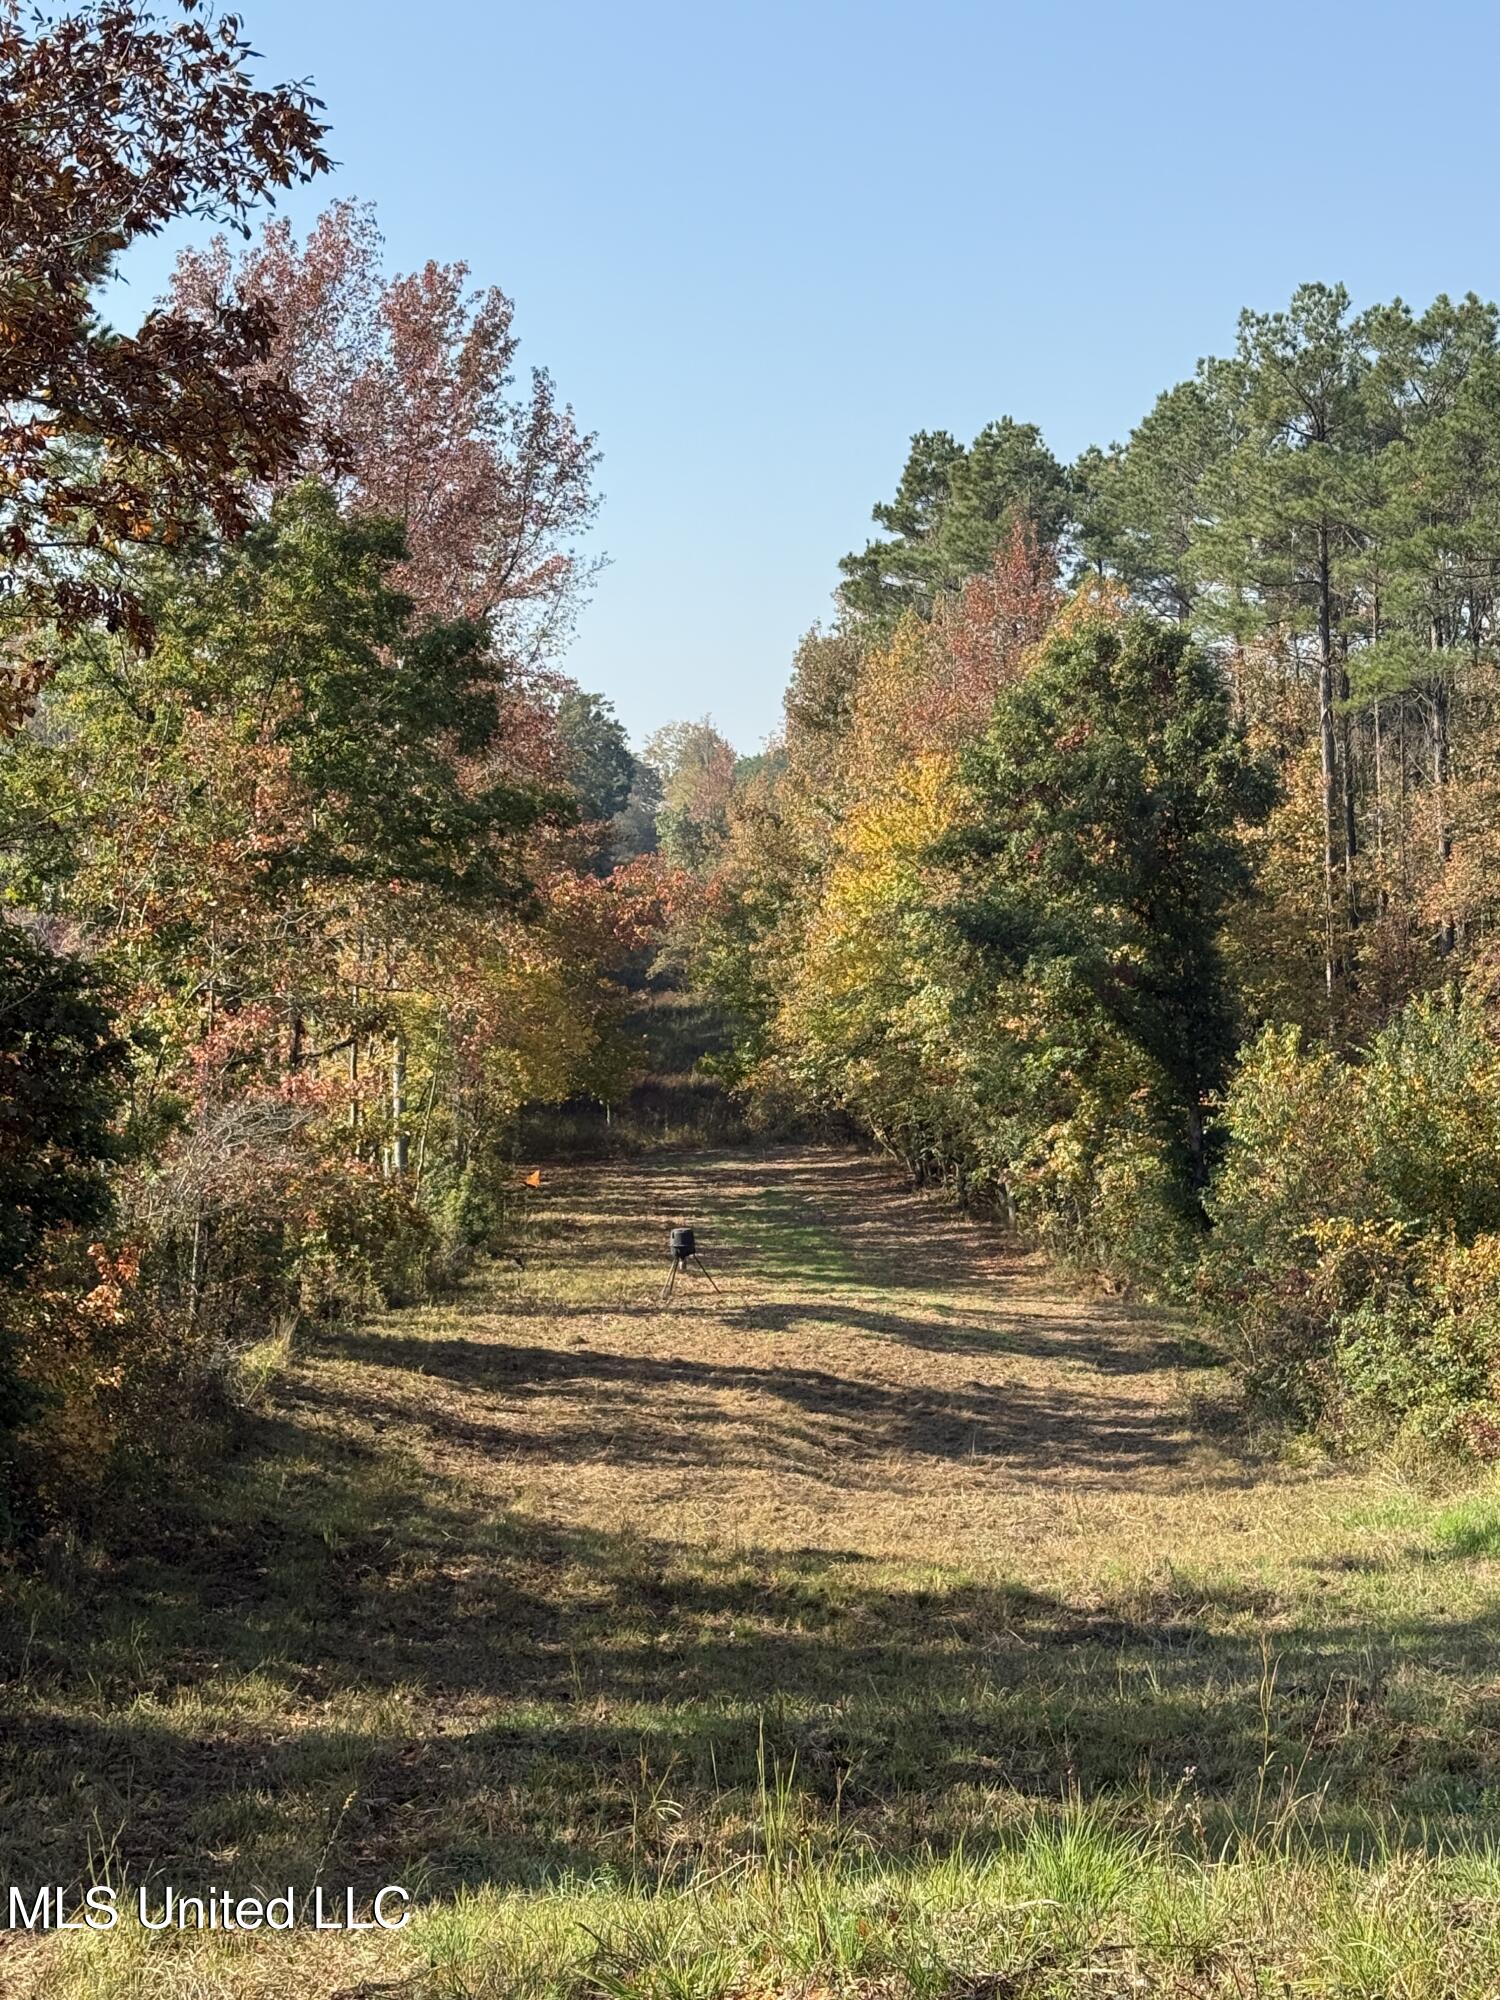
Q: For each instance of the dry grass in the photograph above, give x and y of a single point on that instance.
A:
(879, 1377)
(671, 1651)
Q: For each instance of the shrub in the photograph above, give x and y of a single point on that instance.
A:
(1420, 1360)
(137, 1348)
(357, 1240)
(61, 1068)
(1354, 1264)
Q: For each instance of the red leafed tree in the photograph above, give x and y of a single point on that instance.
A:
(415, 377)
(995, 620)
(114, 119)
(931, 686)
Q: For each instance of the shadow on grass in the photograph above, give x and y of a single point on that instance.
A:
(324, 1665)
(331, 1662)
(670, 1409)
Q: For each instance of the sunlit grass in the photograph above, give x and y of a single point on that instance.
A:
(819, 1639)
(1061, 1909)
(1470, 1527)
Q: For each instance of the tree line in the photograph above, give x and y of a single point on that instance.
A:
(314, 865)
(1126, 855)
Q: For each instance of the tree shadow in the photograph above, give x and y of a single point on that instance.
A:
(332, 1659)
(1078, 1341)
(320, 1666)
(653, 1409)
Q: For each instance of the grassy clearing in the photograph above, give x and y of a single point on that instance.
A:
(880, 1625)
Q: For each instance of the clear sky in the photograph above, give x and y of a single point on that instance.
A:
(760, 242)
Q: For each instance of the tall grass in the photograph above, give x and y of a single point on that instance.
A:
(1067, 1906)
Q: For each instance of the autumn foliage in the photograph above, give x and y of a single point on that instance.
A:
(112, 123)
(1127, 859)
(310, 887)
(410, 383)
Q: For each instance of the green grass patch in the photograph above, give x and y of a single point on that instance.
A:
(788, 1245)
(1469, 1527)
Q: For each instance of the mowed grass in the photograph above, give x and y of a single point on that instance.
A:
(884, 1623)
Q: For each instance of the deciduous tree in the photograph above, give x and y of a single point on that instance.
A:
(114, 120)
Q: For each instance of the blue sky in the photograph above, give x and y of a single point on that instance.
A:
(760, 244)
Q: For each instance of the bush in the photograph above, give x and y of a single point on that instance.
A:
(121, 1392)
(357, 1240)
(1421, 1360)
(1354, 1264)
(243, 1229)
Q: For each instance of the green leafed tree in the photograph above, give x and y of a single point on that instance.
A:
(61, 1066)
(601, 769)
(953, 509)
(1434, 395)
(1285, 529)
(1102, 849)
(696, 766)
(609, 786)
(1141, 503)
(294, 656)
(1008, 475)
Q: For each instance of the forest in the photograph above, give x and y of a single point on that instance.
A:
(1127, 860)
(1047, 1543)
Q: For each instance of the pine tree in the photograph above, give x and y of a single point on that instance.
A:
(1102, 848)
(1286, 513)
(1435, 394)
(1140, 503)
(953, 510)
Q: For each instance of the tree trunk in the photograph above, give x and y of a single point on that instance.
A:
(1383, 891)
(1351, 827)
(1401, 801)
(1440, 768)
(1381, 801)
(1197, 1155)
(399, 1149)
(197, 1262)
(1328, 766)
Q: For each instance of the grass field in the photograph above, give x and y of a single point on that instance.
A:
(892, 1622)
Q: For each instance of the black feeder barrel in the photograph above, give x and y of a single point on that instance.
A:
(683, 1245)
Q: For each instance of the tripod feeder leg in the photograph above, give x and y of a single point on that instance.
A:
(707, 1273)
(666, 1290)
